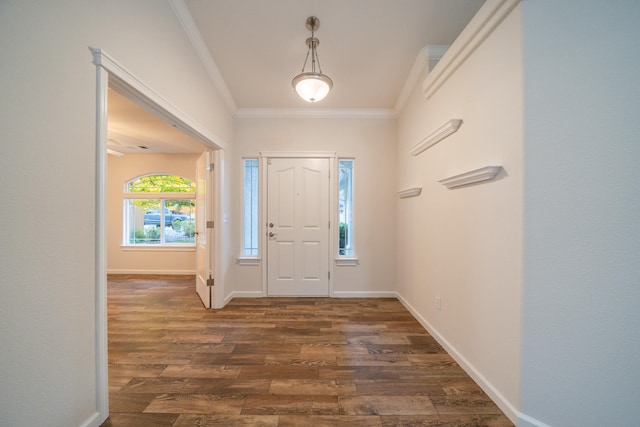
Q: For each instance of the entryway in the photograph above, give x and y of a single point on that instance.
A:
(110, 74)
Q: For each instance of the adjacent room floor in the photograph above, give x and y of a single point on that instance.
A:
(278, 362)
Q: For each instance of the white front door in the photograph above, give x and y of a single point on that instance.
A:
(298, 227)
(204, 234)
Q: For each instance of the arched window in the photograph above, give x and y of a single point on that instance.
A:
(159, 210)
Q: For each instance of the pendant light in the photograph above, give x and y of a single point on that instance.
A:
(312, 86)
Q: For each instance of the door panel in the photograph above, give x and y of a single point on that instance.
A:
(312, 199)
(298, 242)
(311, 260)
(285, 252)
(285, 198)
(204, 235)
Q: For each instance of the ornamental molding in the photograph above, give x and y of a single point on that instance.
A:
(486, 173)
(436, 136)
(410, 192)
(485, 21)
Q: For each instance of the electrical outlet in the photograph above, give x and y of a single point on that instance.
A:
(438, 303)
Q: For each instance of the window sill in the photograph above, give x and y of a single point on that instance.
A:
(343, 261)
(158, 248)
(248, 261)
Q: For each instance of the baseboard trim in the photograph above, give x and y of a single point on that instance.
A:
(364, 294)
(153, 272)
(336, 294)
(527, 421)
(503, 403)
(93, 420)
(244, 294)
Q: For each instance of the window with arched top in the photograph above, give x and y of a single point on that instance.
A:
(159, 210)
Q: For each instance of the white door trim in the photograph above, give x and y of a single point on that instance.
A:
(110, 73)
(102, 356)
(333, 208)
(298, 154)
(204, 235)
(132, 87)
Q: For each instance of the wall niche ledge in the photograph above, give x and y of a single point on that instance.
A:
(486, 173)
(410, 192)
(436, 136)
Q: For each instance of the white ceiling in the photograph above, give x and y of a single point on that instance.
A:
(131, 127)
(367, 47)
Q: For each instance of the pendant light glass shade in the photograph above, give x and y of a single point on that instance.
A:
(312, 86)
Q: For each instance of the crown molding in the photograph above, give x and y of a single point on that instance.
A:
(422, 59)
(427, 57)
(490, 15)
(486, 173)
(315, 113)
(185, 18)
(298, 154)
(436, 136)
(435, 52)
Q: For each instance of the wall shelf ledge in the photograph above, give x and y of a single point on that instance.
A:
(410, 192)
(436, 136)
(486, 173)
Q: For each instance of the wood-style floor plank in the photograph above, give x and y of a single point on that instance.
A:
(278, 362)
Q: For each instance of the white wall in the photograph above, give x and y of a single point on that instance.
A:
(465, 245)
(581, 293)
(372, 143)
(140, 261)
(47, 170)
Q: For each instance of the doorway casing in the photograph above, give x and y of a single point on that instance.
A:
(111, 74)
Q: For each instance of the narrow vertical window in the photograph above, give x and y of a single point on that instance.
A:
(250, 231)
(345, 207)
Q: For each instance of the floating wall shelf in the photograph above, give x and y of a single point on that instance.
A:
(436, 136)
(486, 173)
(411, 192)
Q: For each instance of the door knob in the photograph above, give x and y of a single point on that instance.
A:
(272, 234)
(270, 225)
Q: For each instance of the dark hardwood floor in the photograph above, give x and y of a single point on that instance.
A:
(278, 362)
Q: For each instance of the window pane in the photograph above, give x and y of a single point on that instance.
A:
(345, 207)
(250, 232)
(161, 184)
(159, 221)
(143, 220)
(179, 220)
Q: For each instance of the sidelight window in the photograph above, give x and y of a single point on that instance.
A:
(345, 207)
(250, 205)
